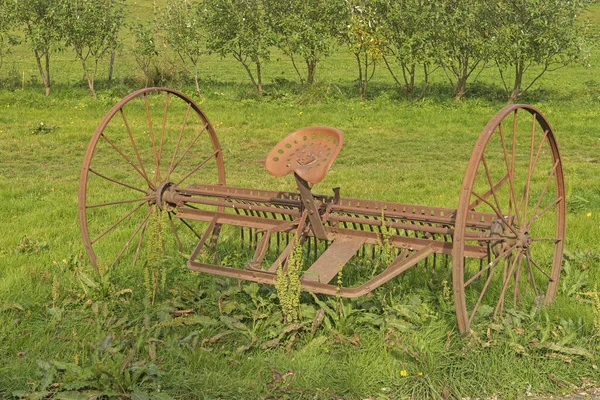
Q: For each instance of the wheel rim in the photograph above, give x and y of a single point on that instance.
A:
(515, 173)
(153, 139)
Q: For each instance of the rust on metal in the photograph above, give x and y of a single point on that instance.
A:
(307, 152)
(505, 238)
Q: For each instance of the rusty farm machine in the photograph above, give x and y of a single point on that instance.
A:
(157, 150)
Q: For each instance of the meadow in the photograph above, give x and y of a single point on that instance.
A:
(68, 332)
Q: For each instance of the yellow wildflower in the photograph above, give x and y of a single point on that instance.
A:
(403, 372)
(589, 214)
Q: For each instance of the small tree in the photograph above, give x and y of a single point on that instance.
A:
(92, 29)
(408, 27)
(360, 32)
(6, 23)
(462, 41)
(182, 23)
(144, 48)
(304, 28)
(239, 28)
(542, 33)
(42, 21)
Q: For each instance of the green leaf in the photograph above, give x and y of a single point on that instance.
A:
(70, 396)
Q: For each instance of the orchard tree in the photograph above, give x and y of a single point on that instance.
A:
(359, 31)
(408, 27)
(182, 24)
(42, 21)
(144, 49)
(7, 21)
(304, 29)
(239, 28)
(462, 40)
(92, 28)
(547, 34)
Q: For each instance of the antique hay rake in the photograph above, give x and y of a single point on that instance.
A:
(156, 150)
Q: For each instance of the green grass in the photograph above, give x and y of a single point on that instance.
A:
(101, 337)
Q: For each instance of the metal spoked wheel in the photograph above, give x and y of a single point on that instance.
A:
(515, 172)
(152, 140)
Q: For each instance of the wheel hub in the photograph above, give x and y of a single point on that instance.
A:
(507, 238)
(524, 240)
(163, 194)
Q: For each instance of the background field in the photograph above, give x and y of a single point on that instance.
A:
(64, 329)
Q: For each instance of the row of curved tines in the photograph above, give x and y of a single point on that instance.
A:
(368, 253)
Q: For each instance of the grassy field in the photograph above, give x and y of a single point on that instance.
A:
(69, 333)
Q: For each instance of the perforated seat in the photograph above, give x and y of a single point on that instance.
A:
(309, 152)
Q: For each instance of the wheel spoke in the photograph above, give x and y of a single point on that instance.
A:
(483, 291)
(188, 148)
(135, 149)
(140, 226)
(490, 265)
(162, 135)
(175, 232)
(142, 174)
(531, 276)
(525, 195)
(187, 112)
(512, 163)
(113, 226)
(489, 179)
(487, 194)
(537, 206)
(517, 293)
(545, 210)
(137, 250)
(500, 305)
(530, 259)
(151, 133)
(198, 167)
(511, 172)
(112, 203)
(498, 214)
(116, 181)
(191, 228)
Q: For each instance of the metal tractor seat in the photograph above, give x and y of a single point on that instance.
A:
(308, 152)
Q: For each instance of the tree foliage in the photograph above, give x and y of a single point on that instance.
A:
(92, 28)
(408, 27)
(239, 28)
(304, 29)
(359, 31)
(543, 33)
(7, 39)
(145, 50)
(182, 23)
(462, 41)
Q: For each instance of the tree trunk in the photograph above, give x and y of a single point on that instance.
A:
(196, 82)
(461, 80)
(459, 90)
(517, 84)
(111, 66)
(408, 72)
(360, 76)
(47, 57)
(89, 78)
(45, 78)
(241, 59)
(259, 86)
(311, 68)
